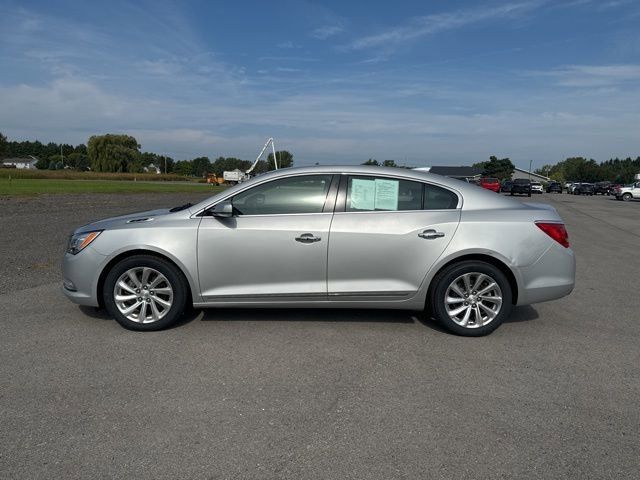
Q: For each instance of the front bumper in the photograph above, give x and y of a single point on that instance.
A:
(80, 275)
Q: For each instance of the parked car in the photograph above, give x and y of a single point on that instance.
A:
(536, 187)
(601, 188)
(506, 186)
(628, 192)
(554, 187)
(568, 185)
(583, 189)
(613, 188)
(521, 186)
(490, 183)
(346, 237)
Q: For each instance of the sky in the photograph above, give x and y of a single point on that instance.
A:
(334, 82)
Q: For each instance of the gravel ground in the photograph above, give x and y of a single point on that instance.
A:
(318, 394)
(35, 229)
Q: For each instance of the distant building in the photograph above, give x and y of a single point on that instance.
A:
(520, 173)
(151, 168)
(24, 163)
(461, 173)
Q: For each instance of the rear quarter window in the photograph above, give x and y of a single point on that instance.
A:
(438, 198)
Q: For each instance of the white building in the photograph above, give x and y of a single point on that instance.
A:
(151, 168)
(24, 163)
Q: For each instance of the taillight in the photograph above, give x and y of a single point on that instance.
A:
(555, 231)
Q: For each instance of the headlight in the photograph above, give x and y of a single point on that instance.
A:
(79, 241)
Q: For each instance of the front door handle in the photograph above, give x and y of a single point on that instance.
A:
(431, 234)
(307, 238)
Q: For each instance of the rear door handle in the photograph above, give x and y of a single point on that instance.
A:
(307, 238)
(431, 234)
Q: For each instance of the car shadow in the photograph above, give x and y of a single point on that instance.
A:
(519, 314)
(337, 315)
(524, 313)
(95, 312)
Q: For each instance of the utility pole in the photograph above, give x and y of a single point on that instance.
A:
(62, 156)
(530, 162)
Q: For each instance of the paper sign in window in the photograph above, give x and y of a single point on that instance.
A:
(363, 194)
(386, 194)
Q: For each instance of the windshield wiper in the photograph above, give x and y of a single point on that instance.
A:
(181, 207)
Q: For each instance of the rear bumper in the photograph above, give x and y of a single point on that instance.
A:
(552, 276)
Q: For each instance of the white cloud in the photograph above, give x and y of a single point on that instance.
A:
(326, 31)
(287, 45)
(428, 25)
(593, 75)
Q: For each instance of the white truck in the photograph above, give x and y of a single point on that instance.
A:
(629, 192)
(234, 176)
(238, 176)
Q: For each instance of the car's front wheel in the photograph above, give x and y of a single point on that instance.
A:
(626, 197)
(471, 298)
(145, 293)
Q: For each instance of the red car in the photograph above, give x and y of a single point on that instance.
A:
(490, 184)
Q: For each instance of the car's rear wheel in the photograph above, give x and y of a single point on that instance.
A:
(626, 197)
(471, 298)
(145, 293)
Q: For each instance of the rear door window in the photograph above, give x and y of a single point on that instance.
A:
(369, 194)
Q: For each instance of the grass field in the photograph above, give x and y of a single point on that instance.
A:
(15, 173)
(28, 186)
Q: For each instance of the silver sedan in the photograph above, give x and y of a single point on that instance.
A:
(317, 237)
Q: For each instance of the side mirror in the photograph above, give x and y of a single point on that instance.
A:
(223, 210)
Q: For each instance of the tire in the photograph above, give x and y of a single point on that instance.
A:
(627, 197)
(443, 289)
(529, 194)
(162, 306)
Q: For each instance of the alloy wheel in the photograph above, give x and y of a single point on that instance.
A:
(473, 300)
(143, 295)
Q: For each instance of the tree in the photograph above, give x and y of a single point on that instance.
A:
(82, 148)
(77, 161)
(53, 162)
(371, 161)
(261, 167)
(499, 168)
(200, 166)
(389, 163)
(227, 164)
(183, 167)
(113, 153)
(285, 159)
(42, 163)
(3, 144)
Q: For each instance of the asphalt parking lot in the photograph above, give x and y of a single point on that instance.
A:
(318, 394)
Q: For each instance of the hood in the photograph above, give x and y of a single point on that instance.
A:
(123, 220)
